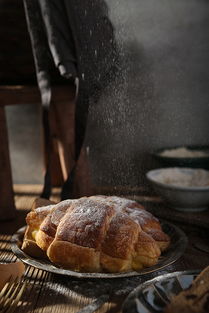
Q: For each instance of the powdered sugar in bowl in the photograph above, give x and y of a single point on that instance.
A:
(185, 189)
(183, 156)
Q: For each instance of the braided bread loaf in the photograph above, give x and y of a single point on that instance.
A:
(98, 233)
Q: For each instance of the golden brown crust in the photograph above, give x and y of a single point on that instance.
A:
(43, 240)
(37, 216)
(30, 247)
(162, 239)
(50, 223)
(86, 224)
(147, 251)
(121, 203)
(114, 265)
(151, 226)
(121, 237)
(69, 255)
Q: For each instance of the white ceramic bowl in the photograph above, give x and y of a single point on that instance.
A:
(185, 189)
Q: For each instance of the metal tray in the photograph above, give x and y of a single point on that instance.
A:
(153, 295)
(174, 252)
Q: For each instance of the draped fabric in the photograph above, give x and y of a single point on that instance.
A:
(73, 40)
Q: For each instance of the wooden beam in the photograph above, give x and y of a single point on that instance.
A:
(12, 95)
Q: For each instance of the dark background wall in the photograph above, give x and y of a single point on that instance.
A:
(161, 98)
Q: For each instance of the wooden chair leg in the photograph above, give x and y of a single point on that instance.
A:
(62, 124)
(7, 206)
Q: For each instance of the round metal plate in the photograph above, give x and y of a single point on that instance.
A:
(153, 295)
(176, 249)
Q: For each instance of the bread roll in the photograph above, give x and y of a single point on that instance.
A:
(98, 234)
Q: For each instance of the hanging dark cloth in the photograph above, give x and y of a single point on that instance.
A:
(73, 39)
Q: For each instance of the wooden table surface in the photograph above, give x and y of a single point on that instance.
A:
(47, 292)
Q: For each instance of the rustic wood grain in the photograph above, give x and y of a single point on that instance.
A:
(193, 219)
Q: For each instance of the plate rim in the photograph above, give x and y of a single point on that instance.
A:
(133, 294)
(56, 270)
